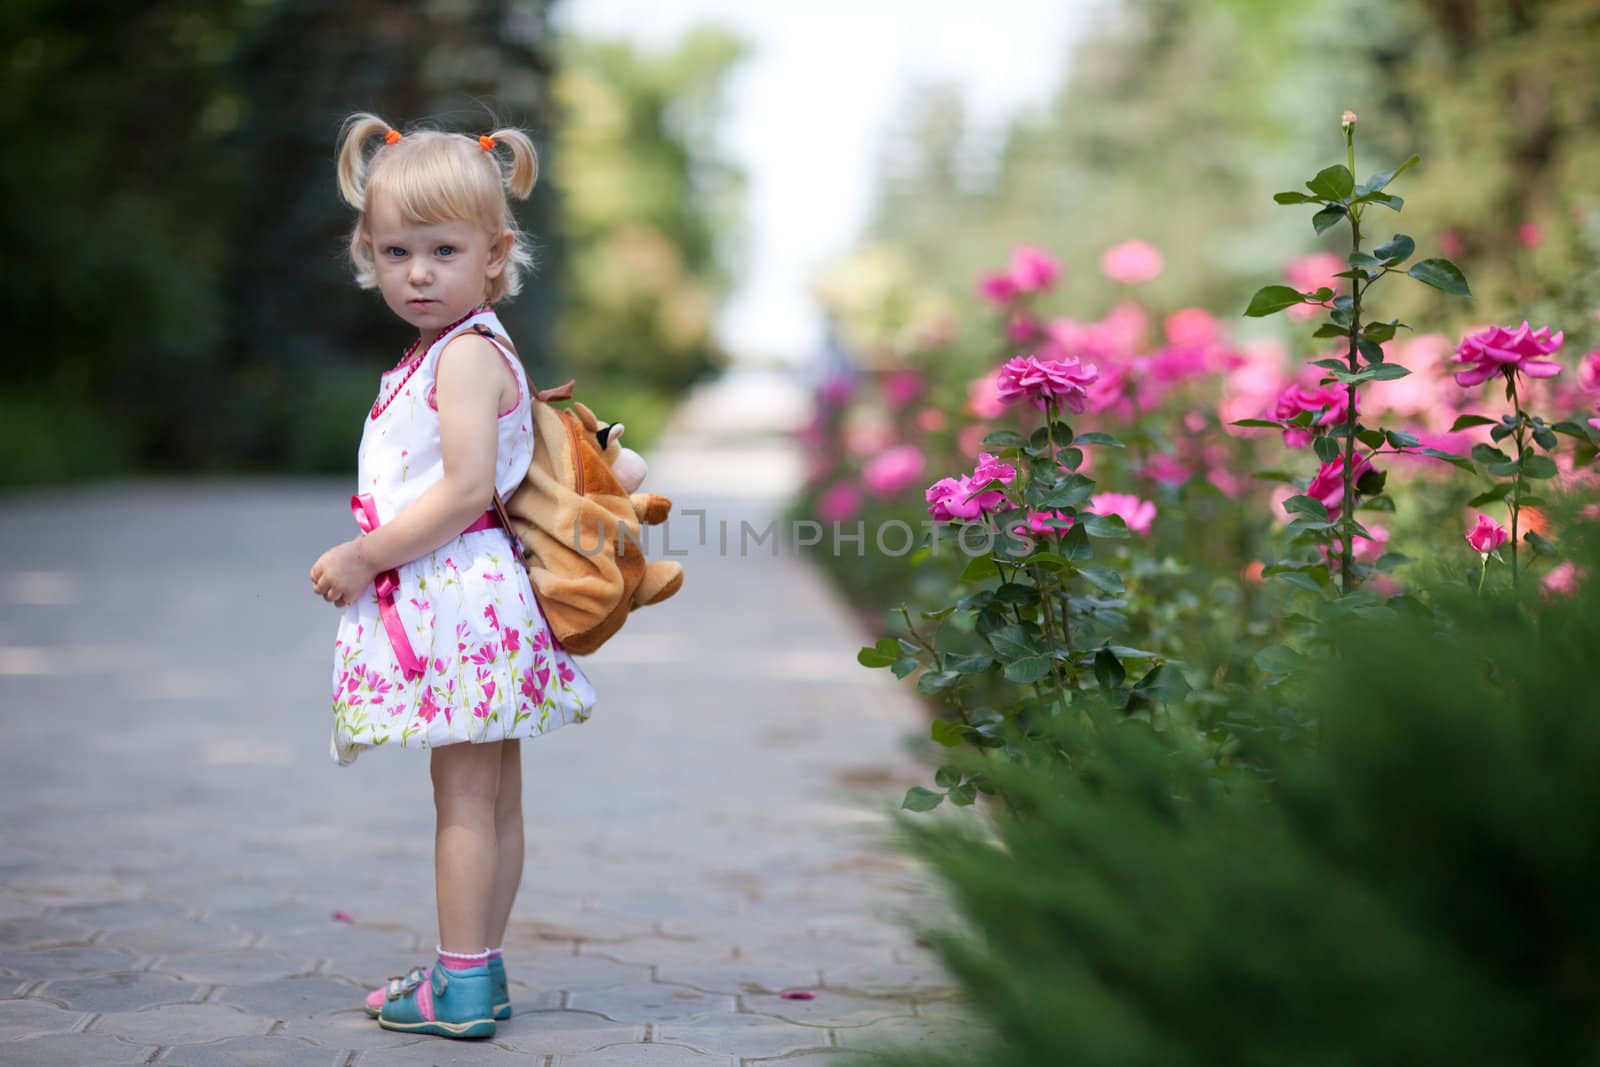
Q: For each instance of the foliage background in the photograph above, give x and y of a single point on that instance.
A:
(179, 300)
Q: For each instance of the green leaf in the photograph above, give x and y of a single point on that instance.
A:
(1371, 483)
(1370, 438)
(1544, 438)
(1442, 275)
(1449, 457)
(963, 795)
(1333, 183)
(1401, 439)
(979, 568)
(1499, 492)
(1328, 217)
(932, 682)
(920, 799)
(1094, 437)
(1271, 299)
(1328, 329)
(1108, 670)
(1027, 671)
(904, 666)
(1396, 250)
(1333, 364)
(1072, 458)
(1383, 331)
(881, 654)
(1295, 198)
(1580, 430)
(1300, 581)
(1482, 453)
(973, 664)
(1262, 423)
(1326, 448)
(1380, 181)
(1386, 372)
(1164, 682)
(945, 733)
(1103, 525)
(1537, 466)
(1279, 659)
(1005, 439)
(947, 776)
(1393, 203)
(1540, 544)
(1370, 350)
(1466, 422)
(1103, 578)
(1363, 259)
(1305, 505)
(1016, 593)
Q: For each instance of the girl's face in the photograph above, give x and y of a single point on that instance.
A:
(432, 274)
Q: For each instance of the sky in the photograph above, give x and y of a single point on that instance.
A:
(810, 106)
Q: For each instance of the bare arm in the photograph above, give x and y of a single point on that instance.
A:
(471, 376)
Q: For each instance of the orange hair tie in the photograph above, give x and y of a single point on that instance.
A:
(486, 143)
(391, 137)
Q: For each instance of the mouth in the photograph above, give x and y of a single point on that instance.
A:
(421, 303)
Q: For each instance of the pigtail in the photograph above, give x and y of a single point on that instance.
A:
(524, 161)
(357, 131)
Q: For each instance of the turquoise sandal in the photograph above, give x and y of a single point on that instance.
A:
(497, 984)
(441, 1002)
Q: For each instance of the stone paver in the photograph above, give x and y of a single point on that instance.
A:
(188, 879)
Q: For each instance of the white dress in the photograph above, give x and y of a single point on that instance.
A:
(482, 664)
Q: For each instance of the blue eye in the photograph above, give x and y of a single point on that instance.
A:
(447, 250)
(393, 252)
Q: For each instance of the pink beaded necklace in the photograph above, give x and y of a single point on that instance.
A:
(411, 360)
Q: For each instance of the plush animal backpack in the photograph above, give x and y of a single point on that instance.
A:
(577, 526)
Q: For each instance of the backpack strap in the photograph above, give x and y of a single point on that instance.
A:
(560, 392)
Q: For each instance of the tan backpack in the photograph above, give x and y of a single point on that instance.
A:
(577, 530)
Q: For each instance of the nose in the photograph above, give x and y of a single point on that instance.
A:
(420, 272)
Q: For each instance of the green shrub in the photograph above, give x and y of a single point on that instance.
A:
(1415, 885)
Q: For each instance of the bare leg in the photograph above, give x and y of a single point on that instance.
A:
(508, 831)
(466, 783)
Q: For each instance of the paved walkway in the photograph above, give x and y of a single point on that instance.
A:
(178, 842)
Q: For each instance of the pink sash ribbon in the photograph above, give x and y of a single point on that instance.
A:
(365, 510)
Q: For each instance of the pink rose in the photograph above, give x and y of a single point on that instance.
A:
(948, 499)
(1039, 523)
(1486, 536)
(1131, 262)
(1065, 380)
(1033, 270)
(997, 288)
(839, 503)
(1589, 371)
(1135, 513)
(1297, 398)
(983, 397)
(1328, 485)
(1165, 469)
(1192, 327)
(1562, 580)
(930, 420)
(835, 391)
(1498, 350)
(989, 468)
(901, 388)
(1023, 328)
(1529, 235)
(892, 471)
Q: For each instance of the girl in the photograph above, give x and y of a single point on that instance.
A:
(442, 645)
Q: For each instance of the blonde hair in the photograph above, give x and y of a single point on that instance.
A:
(437, 177)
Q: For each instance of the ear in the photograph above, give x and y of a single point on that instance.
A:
(499, 253)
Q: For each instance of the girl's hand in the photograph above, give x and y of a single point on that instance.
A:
(342, 573)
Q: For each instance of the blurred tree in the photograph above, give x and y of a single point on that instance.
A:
(115, 229)
(180, 297)
(650, 208)
(1178, 121)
